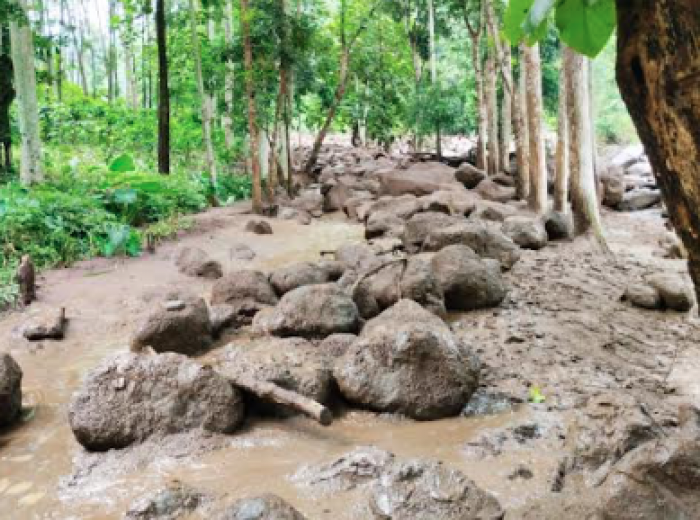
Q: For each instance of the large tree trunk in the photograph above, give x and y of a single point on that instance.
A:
(163, 91)
(492, 115)
(658, 71)
(22, 42)
(506, 108)
(538, 165)
(521, 133)
(583, 188)
(205, 98)
(561, 179)
(229, 82)
(252, 117)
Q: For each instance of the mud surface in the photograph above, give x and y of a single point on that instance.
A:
(562, 329)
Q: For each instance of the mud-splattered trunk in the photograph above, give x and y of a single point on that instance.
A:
(537, 159)
(658, 71)
(252, 116)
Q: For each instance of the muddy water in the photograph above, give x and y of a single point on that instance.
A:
(104, 300)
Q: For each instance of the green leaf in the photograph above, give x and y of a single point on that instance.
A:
(526, 20)
(125, 196)
(123, 163)
(586, 25)
(536, 396)
(514, 18)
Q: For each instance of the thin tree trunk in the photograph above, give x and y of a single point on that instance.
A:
(506, 109)
(163, 91)
(561, 181)
(433, 72)
(482, 123)
(521, 134)
(583, 189)
(250, 93)
(492, 111)
(229, 82)
(22, 41)
(537, 157)
(658, 72)
(204, 97)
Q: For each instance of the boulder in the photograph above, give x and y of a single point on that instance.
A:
(420, 226)
(503, 179)
(247, 291)
(259, 227)
(194, 261)
(50, 324)
(559, 226)
(180, 324)
(310, 201)
(403, 207)
(453, 202)
(467, 281)
(241, 252)
(640, 169)
(302, 217)
(614, 187)
(291, 363)
(384, 224)
(637, 200)
(526, 232)
(407, 361)
(483, 240)
(223, 317)
(417, 180)
(428, 489)
(379, 291)
(314, 311)
(675, 294)
(358, 257)
(336, 196)
(489, 190)
(492, 211)
(336, 345)
(171, 502)
(264, 507)
(420, 284)
(332, 268)
(10, 390)
(353, 204)
(130, 398)
(469, 175)
(288, 278)
(643, 296)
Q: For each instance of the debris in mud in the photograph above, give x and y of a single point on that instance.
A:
(661, 291)
(528, 233)
(194, 261)
(171, 502)
(259, 227)
(246, 291)
(241, 252)
(131, 397)
(264, 507)
(26, 279)
(49, 325)
(10, 390)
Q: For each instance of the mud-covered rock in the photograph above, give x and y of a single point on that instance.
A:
(451, 202)
(357, 257)
(194, 261)
(419, 180)
(334, 269)
(259, 227)
(675, 294)
(467, 281)
(382, 289)
(420, 226)
(179, 324)
(336, 196)
(559, 226)
(614, 187)
(171, 502)
(408, 361)
(310, 201)
(492, 211)
(299, 215)
(130, 397)
(336, 345)
(420, 284)
(643, 296)
(403, 207)
(314, 311)
(489, 190)
(246, 291)
(469, 175)
(50, 324)
(383, 224)
(10, 390)
(291, 363)
(357, 206)
(241, 252)
(288, 278)
(485, 241)
(638, 200)
(526, 232)
(427, 489)
(264, 507)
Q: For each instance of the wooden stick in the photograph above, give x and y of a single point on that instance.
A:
(271, 392)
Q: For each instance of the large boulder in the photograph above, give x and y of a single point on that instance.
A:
(614, 187)
(419, 180)
(492, 211)
(427, 489)
(490, 190)
(179, 324)
(10, 390)
(246, 291)
(467, 281)
(288, 278)
(314, 311)
(291, 363)
(451, 202)
(264, 507)
(310, 201)
(358, 205)
(485, 241)
(384, 224)
(336, 196)
(420, 226)
(194, 261)
(357, 257)
(420, 284)
(638, 200)
(408, 361)
(378, 291)
(131, 397)
(469, 175)
(403, 207)
(175, 500)
(528, 233)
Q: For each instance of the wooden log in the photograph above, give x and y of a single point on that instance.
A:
(275, 394)
(52, 327)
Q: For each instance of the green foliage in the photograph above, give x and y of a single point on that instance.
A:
(123, 163)
(584, 25)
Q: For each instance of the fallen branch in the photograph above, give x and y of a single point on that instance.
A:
(272, 393)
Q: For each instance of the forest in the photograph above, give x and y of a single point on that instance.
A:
(399, 259)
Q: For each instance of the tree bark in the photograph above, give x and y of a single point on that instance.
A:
(583, 189)
(492, 114)
(481, 123)
(506, 109)
(658, 72)
(163, 91)
(521, 135)
(252, 117)
(537, 159)
(22, 41)
(561, 180)
(229, 81)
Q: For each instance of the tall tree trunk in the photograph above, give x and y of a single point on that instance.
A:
(521, 134)
(658, 72)
(204, 96)
(506, 109)
(537, 159)
(22, 41)
(110, 59)
(229, 82)
(561, 180)
(481, 123)
(433, 72)
(250, 93)
(163, 91)
(492, 111)
(583, 188)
